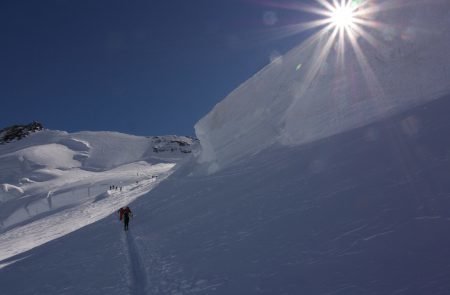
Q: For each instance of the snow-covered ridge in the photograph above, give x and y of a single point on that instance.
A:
(50, 171)
(289, 102)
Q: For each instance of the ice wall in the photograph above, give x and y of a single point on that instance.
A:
(300, 97)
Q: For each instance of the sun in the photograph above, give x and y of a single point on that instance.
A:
(343, 32)
(343, 16)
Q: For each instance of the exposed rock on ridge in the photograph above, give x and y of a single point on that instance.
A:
(18, 132)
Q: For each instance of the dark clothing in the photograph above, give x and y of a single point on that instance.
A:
(127, 212)
(126, 220)
(126, 217)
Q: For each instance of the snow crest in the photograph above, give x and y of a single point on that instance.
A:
(297, 100)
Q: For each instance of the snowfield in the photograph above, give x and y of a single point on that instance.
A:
(56, 183)
(72, 217)
(362, 212)
(328, 188)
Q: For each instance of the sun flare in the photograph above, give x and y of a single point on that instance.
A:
(342, 16)
(343, 32)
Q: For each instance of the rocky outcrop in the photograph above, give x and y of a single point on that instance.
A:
(18, 132)
(183, 144)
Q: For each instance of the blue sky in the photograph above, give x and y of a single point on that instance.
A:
(139, 67)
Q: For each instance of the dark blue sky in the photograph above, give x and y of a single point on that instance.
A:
(139, 67)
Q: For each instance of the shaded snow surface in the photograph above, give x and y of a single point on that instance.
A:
(363, 212)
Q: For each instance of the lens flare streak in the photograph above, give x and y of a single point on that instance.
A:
(341, 26)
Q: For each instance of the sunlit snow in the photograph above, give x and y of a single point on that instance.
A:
(310, 179)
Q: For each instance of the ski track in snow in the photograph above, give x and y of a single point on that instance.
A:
(27, 237)
(137, 273)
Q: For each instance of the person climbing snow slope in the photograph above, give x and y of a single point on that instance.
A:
(126, 217)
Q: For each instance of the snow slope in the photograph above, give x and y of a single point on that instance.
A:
(314, 190)
(282, 103)
(362, 212)
(55, 182)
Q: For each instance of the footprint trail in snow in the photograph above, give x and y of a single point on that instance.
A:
(29, 236)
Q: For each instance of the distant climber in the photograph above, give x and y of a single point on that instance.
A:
(125, 213)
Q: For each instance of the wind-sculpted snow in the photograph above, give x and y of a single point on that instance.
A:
(50, 171)
(53, 156)
(8, 191)
(43, 230)
(299, 99)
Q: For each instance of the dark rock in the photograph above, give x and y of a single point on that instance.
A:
(18, 132)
